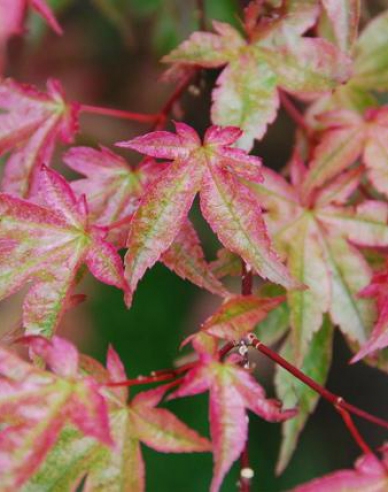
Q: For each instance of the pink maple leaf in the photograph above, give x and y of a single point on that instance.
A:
(346, 137)
(31, 123)
(216, 170)
(114, 190)
(369, 474)
(35, 405)
(46, 245)
(378, 289)
(139, 422)
(232, 391)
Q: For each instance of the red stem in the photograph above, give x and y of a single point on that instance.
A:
(118, 113)
(166, 374)
(335, 400)
(293, 112)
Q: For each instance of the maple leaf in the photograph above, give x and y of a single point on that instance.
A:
(238, 316)
(113, 191)
(230, 208)
(120, 467)
(272, 55)
(47, 245)
(348, 136)
(370, 70)
(369, 474)
(343, 16)
(318, 238)
(378, 289)
(35, 405)
(31, 122)
(232, 390)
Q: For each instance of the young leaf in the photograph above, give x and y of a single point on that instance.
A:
(369, 474)
(315, 239)
(35, 405)
(47, 245)
(273, 55)
(369, 72)
(120, 467)
(114, 191)
(228, 205)
(232, 390)
(379, 337)
(238, 316)
(31, 122)
(347, 137)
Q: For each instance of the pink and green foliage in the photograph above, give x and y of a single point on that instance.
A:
(317, 234)
(121, 466)
(343, 17)
(348, 137)
(238, 316)
(114, 190)
(212, 168)
(231, 391)
(35, 405)
(47, 244)
(379, 337)
(271, 55)
(31, 122)
(309, 243)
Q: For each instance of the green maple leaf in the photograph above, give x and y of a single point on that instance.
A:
(272, 55)
(318, 239)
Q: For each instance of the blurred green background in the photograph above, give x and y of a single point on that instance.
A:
(109, 56)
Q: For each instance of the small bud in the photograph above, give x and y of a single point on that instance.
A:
(243, 350)
(247, 473)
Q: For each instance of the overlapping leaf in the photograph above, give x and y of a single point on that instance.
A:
(238, 316)
(232, 391)
(47, 245)
(114, 190)
(120, 467)
(369, 474)
(31, 122)
(35, 405)
(343, 16)
(348, 136)
(230, 208)
(370, 69)
(378, 289)
(318, 240)
(273, 55)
